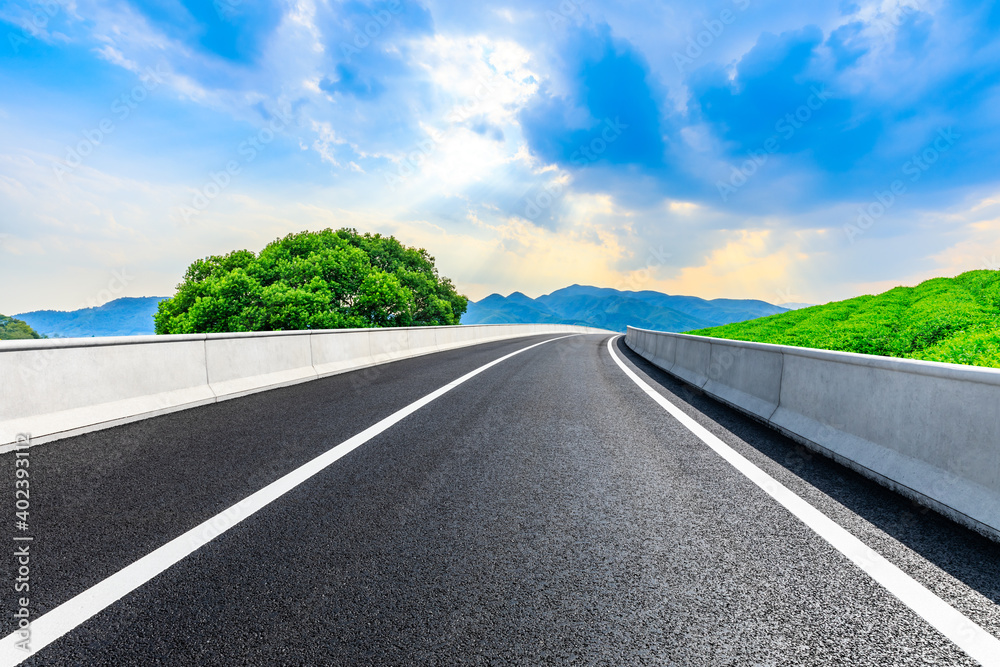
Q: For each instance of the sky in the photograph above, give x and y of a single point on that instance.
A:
(789, 152)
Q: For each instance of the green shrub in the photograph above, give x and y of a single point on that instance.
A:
(954, 320)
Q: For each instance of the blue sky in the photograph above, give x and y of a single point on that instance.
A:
(735, 148)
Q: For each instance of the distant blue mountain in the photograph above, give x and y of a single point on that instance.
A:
(128, 316)
(591, 306)
(615, 310)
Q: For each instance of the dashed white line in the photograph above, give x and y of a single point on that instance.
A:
(979, 644)
(70, 614)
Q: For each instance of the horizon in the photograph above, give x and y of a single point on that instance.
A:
(505, 296)
(508, 295)
(730, 150)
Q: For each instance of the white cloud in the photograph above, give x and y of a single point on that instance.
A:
(115, 57)
(325, 142)
(451, 117)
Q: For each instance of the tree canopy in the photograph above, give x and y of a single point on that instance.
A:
(313, 280)
(11, 329)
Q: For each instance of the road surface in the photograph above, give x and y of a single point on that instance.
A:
(543, 511)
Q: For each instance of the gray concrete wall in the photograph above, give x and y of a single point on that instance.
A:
(930, 431)
(51, 389)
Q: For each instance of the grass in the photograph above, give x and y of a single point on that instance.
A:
(954, 320)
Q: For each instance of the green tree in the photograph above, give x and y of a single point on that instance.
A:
(11, 329)
(313, 280)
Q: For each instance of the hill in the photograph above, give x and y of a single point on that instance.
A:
(955, 320)
(127, 316)
(613, 309)
(15, 329)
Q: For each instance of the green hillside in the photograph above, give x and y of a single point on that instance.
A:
(955, 320)
(11, 329)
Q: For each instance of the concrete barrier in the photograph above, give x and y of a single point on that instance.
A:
(339, 351)
(692, 358)
(51, 389)
(447, 338)
(57, 386)
(421, 340)
(747, 377)
(930, 431)
(243, 363)
(663, 349)
(388, 345)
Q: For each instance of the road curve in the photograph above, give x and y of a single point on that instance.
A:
(543, 511)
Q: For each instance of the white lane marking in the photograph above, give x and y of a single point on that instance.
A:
(57, 622)
(967, 635)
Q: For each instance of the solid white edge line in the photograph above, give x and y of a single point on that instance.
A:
(966, 634)
(57, 622)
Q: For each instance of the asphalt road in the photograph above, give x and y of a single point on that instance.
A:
(545, 511)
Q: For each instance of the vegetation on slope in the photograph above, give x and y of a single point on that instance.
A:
(12, 329)
(955, 320)
(312, 280)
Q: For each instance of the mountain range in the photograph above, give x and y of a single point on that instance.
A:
(592, 306)
(128, 316)
(615, 310)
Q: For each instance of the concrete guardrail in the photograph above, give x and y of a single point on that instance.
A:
(930, 431)
(51, 389)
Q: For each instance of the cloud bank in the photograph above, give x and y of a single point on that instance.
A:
(735, 148)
